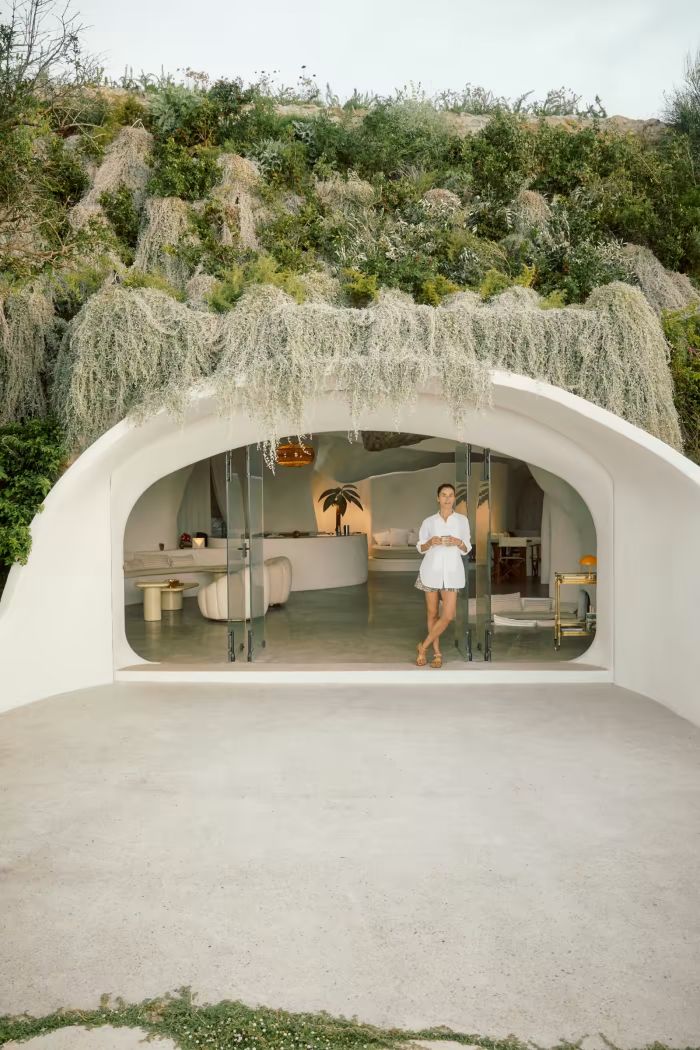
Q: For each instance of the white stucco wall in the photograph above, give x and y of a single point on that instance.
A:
(69, 599)
(154, 517)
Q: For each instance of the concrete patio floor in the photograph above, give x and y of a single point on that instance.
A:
(494, 859)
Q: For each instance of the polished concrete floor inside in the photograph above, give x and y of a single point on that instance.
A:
(377, 622)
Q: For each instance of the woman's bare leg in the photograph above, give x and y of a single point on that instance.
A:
(432, 605)
(447, 615)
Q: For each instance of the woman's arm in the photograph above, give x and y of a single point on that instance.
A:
(464, 542)
(425, 540)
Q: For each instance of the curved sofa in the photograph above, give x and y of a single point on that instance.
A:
(214, 599)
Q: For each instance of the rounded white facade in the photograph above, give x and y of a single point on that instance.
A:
(62, 615)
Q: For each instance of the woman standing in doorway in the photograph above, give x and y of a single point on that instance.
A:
(444, 539)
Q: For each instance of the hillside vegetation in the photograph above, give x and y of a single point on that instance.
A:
(158, 234)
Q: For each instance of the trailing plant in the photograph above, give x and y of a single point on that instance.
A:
(132, 350)
(26, 322)
(31, 457)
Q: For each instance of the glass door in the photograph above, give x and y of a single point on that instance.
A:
(245, 576)
(473, 621)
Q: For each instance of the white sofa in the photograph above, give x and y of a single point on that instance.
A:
(214, 598)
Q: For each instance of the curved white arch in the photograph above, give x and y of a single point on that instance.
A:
(62, 619)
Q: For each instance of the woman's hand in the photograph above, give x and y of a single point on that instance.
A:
(435, 541)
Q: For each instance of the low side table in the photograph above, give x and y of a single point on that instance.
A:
(151, 597)
(171, 597)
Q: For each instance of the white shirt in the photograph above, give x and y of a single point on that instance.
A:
(443, 566)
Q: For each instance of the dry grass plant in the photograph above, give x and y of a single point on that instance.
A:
(125, 164)
(141, 350)
(238, 193)
(664, 289)
(166, 227)
(26, 321)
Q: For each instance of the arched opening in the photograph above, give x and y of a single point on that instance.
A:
(338, 529)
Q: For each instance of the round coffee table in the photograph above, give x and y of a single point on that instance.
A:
(151, 597)
(171, 597)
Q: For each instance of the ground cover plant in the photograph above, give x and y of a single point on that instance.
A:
(225, 1025)
(142, 221)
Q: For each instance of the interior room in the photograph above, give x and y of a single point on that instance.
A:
(313, 559)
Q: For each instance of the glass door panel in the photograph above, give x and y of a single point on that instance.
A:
(463, 621)
(256, 559)
(236, 551)
(473, 624)
(245, 590)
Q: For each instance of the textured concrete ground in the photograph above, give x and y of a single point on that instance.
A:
(495, 859)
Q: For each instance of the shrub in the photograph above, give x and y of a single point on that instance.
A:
(262, 270)
(682, 329)
(501, 158)
(434, 290)
(121, 211)
(181, 172)
(31, 457)
(294, 238)
(360, 288)
(140, 279)
(73, 288)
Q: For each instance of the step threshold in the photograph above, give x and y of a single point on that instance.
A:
(370, 674)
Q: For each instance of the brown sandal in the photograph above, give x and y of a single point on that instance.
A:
(436, 660)
(421, 658)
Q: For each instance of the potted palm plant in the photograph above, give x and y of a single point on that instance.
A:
(339, 498)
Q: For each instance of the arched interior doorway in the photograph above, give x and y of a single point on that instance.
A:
(338, 560)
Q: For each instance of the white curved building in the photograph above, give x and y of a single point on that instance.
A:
(62, 621)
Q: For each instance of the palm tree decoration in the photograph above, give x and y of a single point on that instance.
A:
(339, 498)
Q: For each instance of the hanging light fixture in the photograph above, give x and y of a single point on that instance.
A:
(293, 454)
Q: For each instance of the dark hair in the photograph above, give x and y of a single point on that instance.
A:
(446, 485)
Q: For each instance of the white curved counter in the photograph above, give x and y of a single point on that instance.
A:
(319, 562)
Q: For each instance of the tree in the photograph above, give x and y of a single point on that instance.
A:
(41, 63)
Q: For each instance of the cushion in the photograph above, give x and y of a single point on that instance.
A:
(412, 537)
(538, 604)
(398, 537)
(178, 560)
(506, 602)
(382, 539)
(151, 561)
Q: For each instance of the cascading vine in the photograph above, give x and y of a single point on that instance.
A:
(137, 351)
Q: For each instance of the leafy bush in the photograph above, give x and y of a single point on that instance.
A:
(31, 457)
(682, 329)
(360, 288)
(73, 288)
(683, 104)
(262, 270)
(139, 279)
(294, 238)
(434, 290)
(181, 172)
(121, 211)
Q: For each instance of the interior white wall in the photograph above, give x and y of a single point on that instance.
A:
(288, 500)
(647, 633)
(194, 511)
(568, 531)
(402, 501)
(154, 517)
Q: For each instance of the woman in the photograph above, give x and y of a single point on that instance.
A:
(444, 539)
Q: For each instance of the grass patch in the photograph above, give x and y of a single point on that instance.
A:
(227, 1024)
